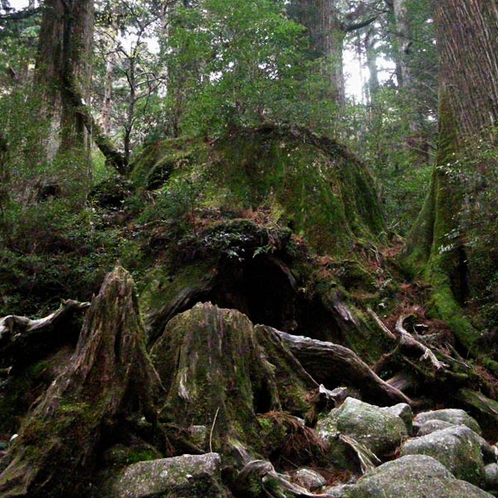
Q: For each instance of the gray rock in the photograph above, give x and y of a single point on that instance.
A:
(432, 426)
(404, 412)
(380, 431)
(455, 416)
(457, 447)
(186, 476)
(338, 491)
(491, 476)
(309, 479)
(413, 476)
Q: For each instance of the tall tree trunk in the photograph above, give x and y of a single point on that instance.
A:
(63, 62)
(326, 32)
(403, 36)
(468, 110)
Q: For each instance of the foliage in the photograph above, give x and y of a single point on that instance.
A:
(129, 70)
(378, 135)
(233, 66)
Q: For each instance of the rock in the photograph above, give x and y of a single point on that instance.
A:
(491, 476)
(380, 431)
(412, 476)
(455, 416)
(309, 479)
(432, 426)
(457, 447)
(404, 412)
(186, 476)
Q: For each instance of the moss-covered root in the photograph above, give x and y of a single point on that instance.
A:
(109, 375)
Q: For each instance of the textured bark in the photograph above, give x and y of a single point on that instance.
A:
(326, 33)
(468, 110)
(333, 365)
(403, 35)
(220, 371)
(64, 55)
(109, 378)
(468, 47)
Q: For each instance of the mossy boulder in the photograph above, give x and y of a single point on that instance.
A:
(458, 448)
(185, 476)
(411, 476)
(380, 431)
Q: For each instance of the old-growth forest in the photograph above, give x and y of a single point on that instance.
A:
(248, 248)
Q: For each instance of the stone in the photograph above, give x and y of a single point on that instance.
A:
(412, 476)
(455, 416)
(309, 479)
(457, 447)
(404, 412)
(432, 426)
(379, 431)
(491, 476)
(185, 476)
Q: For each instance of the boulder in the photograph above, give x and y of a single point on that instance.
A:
(491, 476)
(186, 476)
(455, 416)
(404, 412)
(412, 476)
(309, 479)
(378, 430)
(457, 447)
(432, 426)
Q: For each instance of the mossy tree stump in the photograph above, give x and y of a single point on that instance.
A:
(109, 378)
(218, 373)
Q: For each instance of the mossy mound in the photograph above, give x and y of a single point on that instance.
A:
(309, 183)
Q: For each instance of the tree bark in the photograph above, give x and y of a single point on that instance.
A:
(64, 55)
(109, 378)
(468, 110)
(225, 372)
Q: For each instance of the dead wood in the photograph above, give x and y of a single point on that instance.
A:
(261, 475)
(220, 371)
(406, 345)
(12, 327)
(408, 342)
(109, 378)
(333, 365)
(23, 340)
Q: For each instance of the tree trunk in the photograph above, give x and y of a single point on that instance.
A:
(225, 372)
(468, 110)
(326, 33)
(109, 378)
(63, 60)
(404, 40)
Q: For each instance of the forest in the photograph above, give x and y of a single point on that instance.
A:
(248, 248)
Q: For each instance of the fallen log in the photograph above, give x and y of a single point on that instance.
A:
(333, 365)
(12, 327)
(23, 341)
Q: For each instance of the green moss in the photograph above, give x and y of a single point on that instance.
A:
(298, 179)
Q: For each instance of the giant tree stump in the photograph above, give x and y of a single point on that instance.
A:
(220, 371)
(109, 378)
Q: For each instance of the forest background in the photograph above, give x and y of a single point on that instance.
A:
(86, 88)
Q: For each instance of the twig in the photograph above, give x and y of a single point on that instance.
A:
(212, 429)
